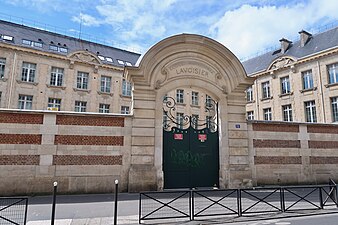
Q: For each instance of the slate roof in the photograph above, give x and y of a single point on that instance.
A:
(316, 44)
(20, 32)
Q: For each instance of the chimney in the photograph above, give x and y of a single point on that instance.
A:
(304, 37)
(285, 44)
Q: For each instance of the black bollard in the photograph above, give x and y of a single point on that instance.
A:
(54, 202)
(115, 208)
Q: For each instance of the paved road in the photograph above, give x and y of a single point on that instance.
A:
(97, 209)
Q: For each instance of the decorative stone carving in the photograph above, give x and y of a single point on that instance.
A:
(281, 63)
(84, 56)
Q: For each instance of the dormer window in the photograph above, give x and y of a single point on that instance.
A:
(128, 64)
(58, 49)
(32, 43)
(120, 62)
(7, 38)
(101, 57)
(109, 59)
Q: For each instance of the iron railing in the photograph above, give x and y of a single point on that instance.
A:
(237, 202)
(13, 211)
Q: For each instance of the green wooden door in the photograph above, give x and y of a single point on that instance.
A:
(190, 158)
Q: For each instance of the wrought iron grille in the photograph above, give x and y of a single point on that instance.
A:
(170, 119)
(13, 211)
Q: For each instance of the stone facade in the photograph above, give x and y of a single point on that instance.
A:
(306, 70)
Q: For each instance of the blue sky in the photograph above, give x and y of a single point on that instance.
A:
(246, 27)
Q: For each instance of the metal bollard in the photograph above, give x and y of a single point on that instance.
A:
(55, 184)
(115, 208)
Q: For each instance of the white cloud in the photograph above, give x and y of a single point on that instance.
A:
(86, 20)
(250, 29)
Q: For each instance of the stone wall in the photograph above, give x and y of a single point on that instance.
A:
(293, 153)
(84, 153)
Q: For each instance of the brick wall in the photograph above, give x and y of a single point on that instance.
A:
(89, 120)
(276, 143)
(88, 140)
(87, 160)
(34, 139)
(23, 118)
(19, 159)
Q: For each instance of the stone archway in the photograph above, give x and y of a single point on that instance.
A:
(188, 61)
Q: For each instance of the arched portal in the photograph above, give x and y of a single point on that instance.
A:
(187, 61)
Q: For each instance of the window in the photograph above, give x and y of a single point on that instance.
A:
(56, 76)
(334, 103)
(194, 121)
(0, 98)
(266, 90)
(194, 98)
(307, 79)
(82, 80)
(165, 120)
(53, 47)
(80, 106)
(179, 119)
(25, 101)
(179, 96)
(124, 109)
(249, 94)
(126, 88)
(129, 64)
(285, 85)
(333, 73)
(310, 112)
(287, 113)
(32, 43)
(105, 84)
(28, 72)
(104, 108)
(54, 103)
(58, 49)
(7, 38)
(208, 101)
(120, 62)
(101, 57)
(250, 115)
(165, 98)
(2, 67)
(267, 114)
(109, 59)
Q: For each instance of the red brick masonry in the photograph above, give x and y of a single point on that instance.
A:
(87, 160)
(327, 129)
(34, 139)
(276, 143)
(88, 140)
(25, 118)
(19, 159)
(323, 160)
(90, 120)
(323, 144)
(278, 160)
(275, 127)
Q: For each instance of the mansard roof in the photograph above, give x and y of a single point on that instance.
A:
(112, 56)
(317, 43)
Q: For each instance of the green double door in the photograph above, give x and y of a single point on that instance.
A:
(190, 158)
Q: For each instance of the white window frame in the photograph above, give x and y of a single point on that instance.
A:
(104, 108)
(125, 109)
(2, 67)
(180, 120)
(334, 105)
(194, 98)
(28, 72)
(249, 94)
(56, 77)
(82, 80)
(310, 112)
(287, 113)
(208, 101)
(332, 70)
(285, 85)
(180, 96)
(54, 103)
(267, 113)
(25, 102)
(126, 88)
(250, 115)
(105, 84)
(307, 79)
(80, 106)
(266, 90)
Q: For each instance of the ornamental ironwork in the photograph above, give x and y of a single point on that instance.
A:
(173, 119)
